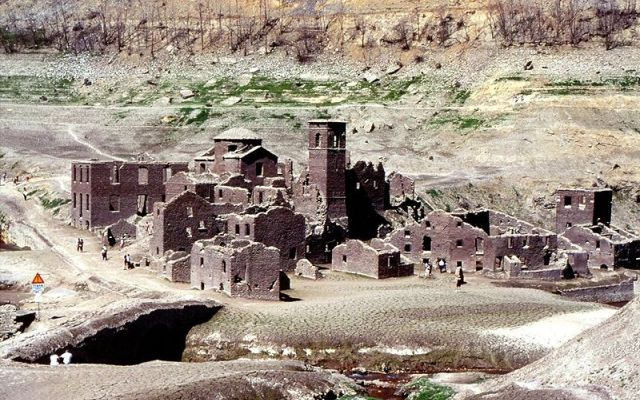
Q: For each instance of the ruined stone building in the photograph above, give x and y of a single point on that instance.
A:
(104, 192)
(377, 259)
(366, 199)
(239, 268)
(181, 221)
(583, 216)
(201, 184)
(475, 241)
(239, 151)
(400, 188)
(582, 207)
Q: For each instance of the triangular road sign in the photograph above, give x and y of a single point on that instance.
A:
(37, 279)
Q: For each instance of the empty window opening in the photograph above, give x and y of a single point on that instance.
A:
(157, 251)
(335, 140)
(510, 242)
(201, 285)
(317, 140)
(189, 232)
(143, 176)
(247, 229)
(221, 287)
(237, 229)
(80, 208)
(202, 227)
(115, 174)
(190, 212)
(569, 224)
(232, 147)
(114, 203)
(293, 253)
(224, 266)
(73, 171)
(74, 200)
(260, 197)
(86, 175)
(202, 261)
(597, 244)
(547, 258)
(163, 198)
(407, 248)
(375, 184)
(479, 266)
(357, 185)
(459, 264)
(427, 224)
(185, 188)
(426, 243)
(389, 264)
(567, 201)
(142, 205)
(203, 167)
(259, 169)
(459, 243)
(407, 233)
(583, 199)
(166, 174)
(479, 246)
(527, 241)
(459, 224)
(220, 194)
(86, 197)
(344, 258)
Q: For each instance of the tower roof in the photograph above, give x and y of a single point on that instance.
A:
(237, 134)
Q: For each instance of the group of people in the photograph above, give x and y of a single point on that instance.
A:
(128, 264)
(80, 245)
(65, 358)
(442, 266)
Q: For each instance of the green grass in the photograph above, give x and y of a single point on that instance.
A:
(424, 389)
(460, 96)
(511, 78)
(32, 89)
(192, 116)
(463, 123)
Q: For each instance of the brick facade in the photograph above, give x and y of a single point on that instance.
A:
(104, 192)
(376, 260)
(582, 207)
(180, 222)
(240, 268)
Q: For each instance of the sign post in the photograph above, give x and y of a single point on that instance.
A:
(37, 288)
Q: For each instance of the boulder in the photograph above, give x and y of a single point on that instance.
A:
(231, 101)
(393, 68)
(371, 77)
(186, 93)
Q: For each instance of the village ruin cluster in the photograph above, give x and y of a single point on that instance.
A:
(237, 220)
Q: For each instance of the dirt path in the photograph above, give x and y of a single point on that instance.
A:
(90, 146)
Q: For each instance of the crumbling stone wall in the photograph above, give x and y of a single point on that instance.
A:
(582, 207)
(535, 251)
(174, 265)
(607, 247)
(178, 223)
(240, 268)
(121, 228)
(104, 192)
(279, 227)
(400, 188)
(201, 184)
(305, 269)
(321, 240)
(376, 260)
(265, 195)
(441, 236)
(369, 182)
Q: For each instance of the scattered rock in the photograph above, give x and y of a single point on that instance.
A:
(438, 66)
(371, 77)
(528, 66)
(352, 84)
(392, 69)
(211, 83)
(254, 70)
(244, 79)
(167, 119)
(151, 82)
(87, 82)
(231, 101)
(163, 101)
(186, 93)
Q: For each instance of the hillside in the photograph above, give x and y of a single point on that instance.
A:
(601, 363)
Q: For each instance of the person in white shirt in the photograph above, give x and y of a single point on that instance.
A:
(66, 357)
(53, 359)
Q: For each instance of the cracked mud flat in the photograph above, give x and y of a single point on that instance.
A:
(408, 324)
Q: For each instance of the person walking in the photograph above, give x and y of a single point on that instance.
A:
(460, 277)
(81, 245)
(122, 241)
(126, 262)
(104, 253)
(78, 246)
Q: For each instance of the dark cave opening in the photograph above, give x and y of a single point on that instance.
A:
(158, 335)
